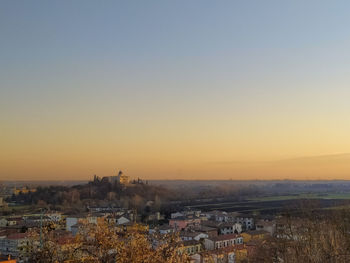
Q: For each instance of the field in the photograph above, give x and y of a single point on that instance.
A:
(341, 196)
(272, 205)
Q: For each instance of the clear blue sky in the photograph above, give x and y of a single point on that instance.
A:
(148, 76)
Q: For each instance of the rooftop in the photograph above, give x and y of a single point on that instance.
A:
(17, 236)
(225, 237)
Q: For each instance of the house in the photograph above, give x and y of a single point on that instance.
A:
(224, 228)
(3, 222)
(13, 244)
(210, 231)
(190, 247)
(10, 221)
(83, 218)
(224, 255)
(222, 241)
(133, 227)
(5, 231)
(234, 254)
(266, 225)
(216, 215)
(177, 214)
(105, 209)
(54, 216)
(192, 235)
(196, 213)
(122, 220)
(72, 220)
(246, 221)
(181, 223)
(36, 219)
(75, 228)
(162, 229)
(254, 235)
(229, 228)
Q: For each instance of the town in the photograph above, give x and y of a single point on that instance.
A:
(202, 235)
(174, 131)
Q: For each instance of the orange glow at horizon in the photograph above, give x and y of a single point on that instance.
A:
(238, 90)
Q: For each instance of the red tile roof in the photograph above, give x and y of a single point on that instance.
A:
(17, 236)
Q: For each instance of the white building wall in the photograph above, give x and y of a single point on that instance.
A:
(70, 221)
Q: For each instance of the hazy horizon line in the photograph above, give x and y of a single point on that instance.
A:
(301, 158)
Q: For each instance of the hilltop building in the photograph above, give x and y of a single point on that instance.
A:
(120, 178)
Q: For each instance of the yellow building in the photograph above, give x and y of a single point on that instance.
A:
(237, 253)
(190, 247)
(120, 178)
(24, 190)
(133, 227)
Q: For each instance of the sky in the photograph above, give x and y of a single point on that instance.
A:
(174, 89)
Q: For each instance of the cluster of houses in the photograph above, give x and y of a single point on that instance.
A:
(217, 236)
(214, 236)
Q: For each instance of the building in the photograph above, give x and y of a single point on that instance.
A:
(182, 223)
(122, 220)
(216, 215)
(190, 247)
(246, 221)
(229, 228)
(210, 231)
(54, 216)
(133, 227)
(13, 244)
(224, 255)
(223, 241)
(267, 225)
(36, 219)
(177, 214)
(120, 178)
(73, 220)
(192, 235)
(162, 229)
(10, 221)
(196, 213)
(75, 228)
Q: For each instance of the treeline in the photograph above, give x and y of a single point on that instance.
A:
(98, 192)
(54, 195)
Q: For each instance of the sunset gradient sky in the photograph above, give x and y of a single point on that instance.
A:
(175, 89)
